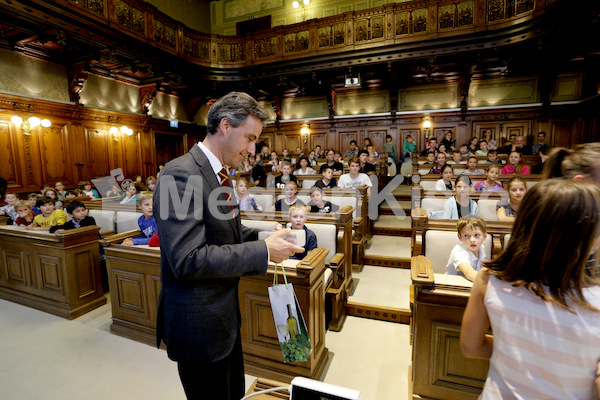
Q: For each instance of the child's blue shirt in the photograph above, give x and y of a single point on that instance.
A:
(148, 228)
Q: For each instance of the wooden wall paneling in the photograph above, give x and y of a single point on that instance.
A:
(148, 153)
(79, 151)
(318, 138)
(99, 146)
(54, 154)
(292, 140)
(8, 166)
(345, 138)
(377, 138)
(131, 160)
(519, 128)
(561, 133)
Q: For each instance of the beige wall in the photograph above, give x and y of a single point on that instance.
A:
(194, 14)
(110, 94)
(226, 13)
(26, 76)
(168, 107)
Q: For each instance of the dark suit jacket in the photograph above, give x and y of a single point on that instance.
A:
(202, 259)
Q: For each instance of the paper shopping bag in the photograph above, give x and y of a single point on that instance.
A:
(290, 324)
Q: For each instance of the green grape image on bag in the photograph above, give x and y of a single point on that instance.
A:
(291, 328)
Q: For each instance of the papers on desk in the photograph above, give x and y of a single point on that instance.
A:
(457, 282)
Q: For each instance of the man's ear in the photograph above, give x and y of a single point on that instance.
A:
(579, 178)
(224, 125)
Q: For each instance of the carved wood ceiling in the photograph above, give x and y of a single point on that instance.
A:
(85, 44)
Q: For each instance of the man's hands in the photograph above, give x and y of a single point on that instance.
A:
(127, 242)
(279, 248)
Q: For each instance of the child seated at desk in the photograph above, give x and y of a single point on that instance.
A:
(506, 210)
(131, 196)
(26, 216)
(328, 181)
(146, 222)
(490, 184)
(460, 205)
(245, 200)
(466, 258)
(9, 209)
(79, 218)
(33, 198)
(49, 216)
(317, 204)
(50, 192)
(285, 176)
(297, 217)
(289, 200)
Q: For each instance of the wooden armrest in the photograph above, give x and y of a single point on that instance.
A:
(334, 264)
(421, 271)
(107, 233)
(119, 237)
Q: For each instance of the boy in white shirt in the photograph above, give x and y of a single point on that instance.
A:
(355, 179)
(466, 258)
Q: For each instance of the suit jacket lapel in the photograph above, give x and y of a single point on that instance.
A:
(211, 178)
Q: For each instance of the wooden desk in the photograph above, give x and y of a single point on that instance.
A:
(439, 369)
(134, 274)
(55, 273)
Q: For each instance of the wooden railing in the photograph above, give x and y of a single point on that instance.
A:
(382, 26)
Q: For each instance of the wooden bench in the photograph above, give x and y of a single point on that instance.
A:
(432, 201)
(427, 182)
(55, 273)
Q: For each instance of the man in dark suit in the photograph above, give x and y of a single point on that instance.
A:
(205, 250)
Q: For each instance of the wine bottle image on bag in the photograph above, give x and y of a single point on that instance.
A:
(292, 323)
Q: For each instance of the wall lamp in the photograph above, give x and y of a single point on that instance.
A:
(304, 133)
(426, 126)
(30, 123)
(114, 131)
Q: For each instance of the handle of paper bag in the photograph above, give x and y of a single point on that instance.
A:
(275, 275)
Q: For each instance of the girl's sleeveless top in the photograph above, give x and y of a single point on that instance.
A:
(541, 350)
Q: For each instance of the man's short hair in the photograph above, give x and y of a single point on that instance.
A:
(285, 164)
(431, 139)
(482, 141)
(363, 152)
(73, 205)
(145, 196)
(327, 167)
(542, 133)
(492, 152)
(353, 141)
(236, 107)
(470, 223)
(354, 160)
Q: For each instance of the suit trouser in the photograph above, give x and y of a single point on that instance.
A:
(219, 380)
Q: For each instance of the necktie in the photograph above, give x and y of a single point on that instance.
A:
(225, 183)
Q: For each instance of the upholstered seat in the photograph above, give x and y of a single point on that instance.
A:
(104, 219)
(439, 245)
(127, 221)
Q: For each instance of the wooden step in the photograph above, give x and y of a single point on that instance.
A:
(392, 225)
(388, 251)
